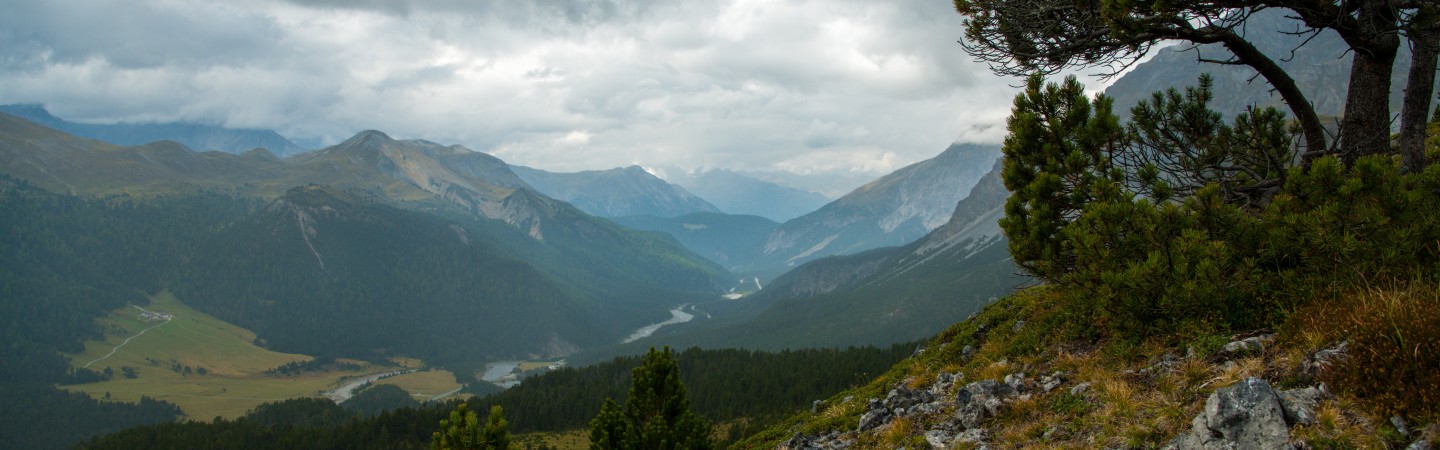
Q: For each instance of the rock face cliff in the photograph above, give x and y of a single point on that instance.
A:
(893, 210)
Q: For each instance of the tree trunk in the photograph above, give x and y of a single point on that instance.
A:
(1366, 127)
(1414, 115)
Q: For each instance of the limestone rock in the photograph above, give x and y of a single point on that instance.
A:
(1247, 415)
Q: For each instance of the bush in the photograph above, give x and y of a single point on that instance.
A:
(1394, 350)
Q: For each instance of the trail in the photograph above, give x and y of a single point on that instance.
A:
(127, 341)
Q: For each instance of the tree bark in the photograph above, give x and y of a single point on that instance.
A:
(1365, 130)
(1414, 114)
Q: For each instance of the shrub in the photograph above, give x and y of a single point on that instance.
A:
(1394, 350)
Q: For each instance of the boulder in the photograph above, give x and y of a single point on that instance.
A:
(1247, 415)
(1299, 405)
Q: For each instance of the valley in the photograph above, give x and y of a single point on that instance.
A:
(206, 366)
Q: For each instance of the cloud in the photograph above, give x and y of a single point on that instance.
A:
(806, 85)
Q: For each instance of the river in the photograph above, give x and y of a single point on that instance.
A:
(677, 315)
(343, 393)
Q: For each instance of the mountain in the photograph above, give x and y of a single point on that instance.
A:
(876, 297)
(1320, 65)
(731, 240)
(346, 275)
(893, 210)
(193, 135)
(620, 277)
(738, 193)
(626, 191)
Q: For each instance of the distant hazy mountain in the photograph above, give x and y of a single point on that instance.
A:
(731, 240)
(626, 191)
(196, 136)
(885, 295)
(894, 210)
(1321, 67)
(738, 193)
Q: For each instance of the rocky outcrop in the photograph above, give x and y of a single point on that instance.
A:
(1249, 415)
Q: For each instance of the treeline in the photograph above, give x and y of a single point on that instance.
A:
(69, 260)
(319, 364)
(723, 385)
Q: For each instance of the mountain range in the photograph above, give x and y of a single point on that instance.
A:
(625, 191)
(739, 193)
(192, 135)
(345, 221)
(883, 295)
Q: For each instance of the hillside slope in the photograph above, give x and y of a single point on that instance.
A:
(893, 210)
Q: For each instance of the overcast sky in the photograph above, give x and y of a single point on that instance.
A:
(803, 86)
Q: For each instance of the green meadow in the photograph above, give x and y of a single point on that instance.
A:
(226, 375)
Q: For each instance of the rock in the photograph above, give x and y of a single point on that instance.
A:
(1080, 389)
(815, 407)
(974, 437)
(1250, 345)
(1247, 415)
(967, 351)
(876, 414)
(824, 441)
(979, 400)
(1016, 381)
(1399, 423)
(1050, 382)
(1419, 444)
(1018, 325)
(1299, 405)
(938, 438)
(1324, 358)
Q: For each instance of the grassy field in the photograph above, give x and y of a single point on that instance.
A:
(234, 381)
(424, 384)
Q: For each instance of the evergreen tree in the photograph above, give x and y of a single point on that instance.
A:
(656, 415)
(462, 431)
(1057, 160)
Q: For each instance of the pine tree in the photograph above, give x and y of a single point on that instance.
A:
(462, 431)
(1057, 160)
(656, 415)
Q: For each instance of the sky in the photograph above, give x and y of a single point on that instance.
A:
(805, 86)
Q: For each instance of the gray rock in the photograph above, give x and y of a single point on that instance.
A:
(815, 407)
(1050, 382)
(1247, 415)
(938, 438)
(966, 351)
(1419, 444)
(1326, 357)
(975, 437)
(1399, 423)
(876, 414)
(874, 419)
(1080, 389)
(1299, 405)
(1018, 325)
(1254, 344)
(980, 400)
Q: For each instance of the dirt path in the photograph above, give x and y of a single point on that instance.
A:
(122, 344)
